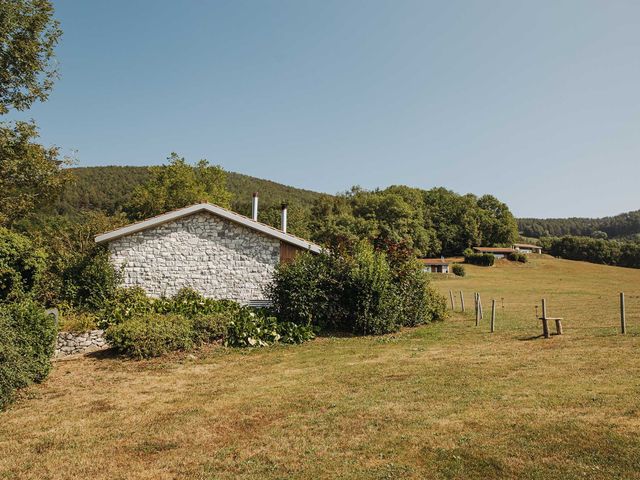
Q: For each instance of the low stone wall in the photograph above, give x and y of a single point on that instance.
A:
(69, 343)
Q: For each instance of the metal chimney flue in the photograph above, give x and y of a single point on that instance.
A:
(283, 217)
(254, 207)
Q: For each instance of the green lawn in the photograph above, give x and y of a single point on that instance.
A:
(449, 400)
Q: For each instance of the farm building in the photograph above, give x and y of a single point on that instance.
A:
(435, 265)
(527, 248)
(498, 252)
(220, 253)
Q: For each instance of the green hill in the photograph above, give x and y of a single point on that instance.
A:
(109, 188)
(625, 225)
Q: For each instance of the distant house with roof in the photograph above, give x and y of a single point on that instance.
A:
(527, 248)
(220, 253)
(435, 265)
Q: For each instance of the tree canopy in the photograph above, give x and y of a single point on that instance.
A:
(30, 174)
(431, 222)
(28, 35)
(178, 185)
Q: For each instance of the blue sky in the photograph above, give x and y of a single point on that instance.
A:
(535, 102)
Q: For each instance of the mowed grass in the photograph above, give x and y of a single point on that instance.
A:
(448, 400)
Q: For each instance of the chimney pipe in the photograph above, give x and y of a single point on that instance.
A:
(284, 217)
(254, 207)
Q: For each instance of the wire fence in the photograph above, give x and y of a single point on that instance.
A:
(584, 313)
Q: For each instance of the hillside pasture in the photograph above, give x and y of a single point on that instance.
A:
(448, 400)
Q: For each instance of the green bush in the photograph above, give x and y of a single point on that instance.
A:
(436, 305)
(518, 257)
(458, 270)
(190, 303)
(307, 291)
(362, 291)
(126, 304)
(132, 302)
(210, 327)
(412, 289)
(151, 335)
(481, 259)
(77, 321)
(92, 282)
(141, 327)
(21, 265)
(27, 336)
(250, 329)
(371, 297)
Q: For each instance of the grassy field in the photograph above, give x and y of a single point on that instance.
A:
(449, 400)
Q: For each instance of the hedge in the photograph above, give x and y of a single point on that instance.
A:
(481, 259)
(362, 291)
(27, 336)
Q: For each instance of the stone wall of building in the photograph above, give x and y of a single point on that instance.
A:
(69, 343)
(219, 258)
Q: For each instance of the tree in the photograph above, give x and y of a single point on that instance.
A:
(28, 35)
(178, 185)
(429, 222)
(30, 174)
(497, 223)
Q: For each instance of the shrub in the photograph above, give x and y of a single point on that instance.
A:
(211, 327)
(458, 270)
(126, 304)
(436, 305)
(144, 328)
(151, 335)
(77, 321)
(250, 329)
(362, 291)
(92, 282)
(481, 259)
(21, 265)
(308, 290)
(133, 302)
(291, 333)
(371, 297)
(412, 289)
(190, 303)
(27, 336)
(518, 257)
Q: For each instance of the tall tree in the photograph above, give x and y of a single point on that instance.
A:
(30, 174)
(178, 185)
(28, 35)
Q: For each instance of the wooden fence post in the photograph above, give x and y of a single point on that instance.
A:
(480, 306)
(623, 317)
(545, 322)
(453, 305)
(477, 297)
(493, 316)
(462, 301)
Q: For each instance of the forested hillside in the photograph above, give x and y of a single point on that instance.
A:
(625, 225)
(109, 188)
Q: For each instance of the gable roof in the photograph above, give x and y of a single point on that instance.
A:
(434, 261)
(493, 249)
(215, 210)
(526, 245)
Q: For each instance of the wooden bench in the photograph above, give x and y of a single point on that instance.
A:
(545, 325)
(545, 321)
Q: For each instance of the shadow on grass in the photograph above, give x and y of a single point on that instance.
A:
(528, 339)
(106, 354)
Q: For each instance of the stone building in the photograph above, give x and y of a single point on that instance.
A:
(220, 253)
